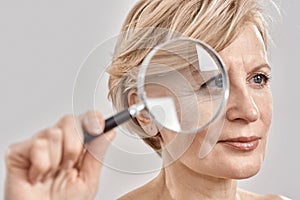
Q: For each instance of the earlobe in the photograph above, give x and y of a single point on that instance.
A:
(143, 118)
(147, 124)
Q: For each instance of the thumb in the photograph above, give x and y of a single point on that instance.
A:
(93, 159)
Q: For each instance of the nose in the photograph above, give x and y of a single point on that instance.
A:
(241, 105)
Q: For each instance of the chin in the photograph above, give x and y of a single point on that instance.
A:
(236, 164)
(241, 164)
(243, 172)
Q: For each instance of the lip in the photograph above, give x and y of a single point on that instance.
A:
(241, 143)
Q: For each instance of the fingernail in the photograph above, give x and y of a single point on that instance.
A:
(96, 127)
(97, 131)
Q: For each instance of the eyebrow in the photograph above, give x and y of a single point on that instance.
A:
(265, 65)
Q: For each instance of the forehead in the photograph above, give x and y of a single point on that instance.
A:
(247, 50)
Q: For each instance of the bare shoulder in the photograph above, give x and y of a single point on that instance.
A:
(246, 195)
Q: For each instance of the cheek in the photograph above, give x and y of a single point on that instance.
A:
(175, 145)
(264, 103)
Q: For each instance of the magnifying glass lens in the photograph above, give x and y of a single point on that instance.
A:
(183, 84)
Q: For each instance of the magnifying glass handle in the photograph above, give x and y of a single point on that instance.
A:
(117, 120)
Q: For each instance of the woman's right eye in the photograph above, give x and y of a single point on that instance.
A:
(213, 84)
(212, 87)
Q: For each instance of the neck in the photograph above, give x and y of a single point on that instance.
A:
(183, 183)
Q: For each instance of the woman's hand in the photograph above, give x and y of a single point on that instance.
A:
(53, 164)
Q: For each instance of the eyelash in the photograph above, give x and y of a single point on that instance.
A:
(265, 80)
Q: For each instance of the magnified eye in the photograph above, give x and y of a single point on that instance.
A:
(216, 81)
(213, 85)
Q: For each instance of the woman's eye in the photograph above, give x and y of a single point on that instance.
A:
(218, 81)
(215, 82)
(213, 86)
(260, 80)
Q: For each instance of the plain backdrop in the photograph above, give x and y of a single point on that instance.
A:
(43, 44)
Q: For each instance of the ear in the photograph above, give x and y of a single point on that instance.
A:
(143, 118)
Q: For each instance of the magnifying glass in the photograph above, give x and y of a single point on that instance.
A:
(182, 85)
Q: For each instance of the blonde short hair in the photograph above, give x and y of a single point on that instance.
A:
(216, 22)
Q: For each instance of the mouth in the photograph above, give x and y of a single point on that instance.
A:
(241, 143)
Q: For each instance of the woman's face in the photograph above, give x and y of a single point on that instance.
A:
(240, 149)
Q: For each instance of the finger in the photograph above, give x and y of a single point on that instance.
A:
(55, 140)
(92, 161)
(17, 156)
(40, 154)
(63, 178)
(92, 122)
(39, 159)
(54, 137)
(72, 146)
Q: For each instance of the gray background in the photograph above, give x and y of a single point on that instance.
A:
(43, 43)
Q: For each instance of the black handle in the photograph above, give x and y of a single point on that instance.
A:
(110, 123)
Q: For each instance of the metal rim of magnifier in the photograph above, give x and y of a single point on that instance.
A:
(142, 72)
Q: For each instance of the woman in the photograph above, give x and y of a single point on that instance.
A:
(53, 164)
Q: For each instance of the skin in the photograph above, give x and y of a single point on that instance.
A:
(248, 113)
(52, 164)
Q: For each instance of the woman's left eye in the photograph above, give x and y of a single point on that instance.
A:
(260, 80)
